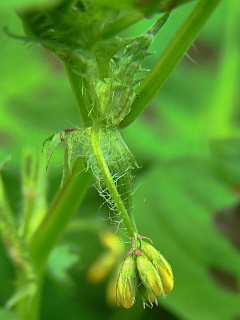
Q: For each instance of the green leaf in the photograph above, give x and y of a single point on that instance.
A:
(48, 27)
(61, 259)
(116, 92)
(55, 140)
(105, 78)
(175, 207)
(226, 154)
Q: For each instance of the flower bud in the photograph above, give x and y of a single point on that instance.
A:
(165, 271)
(160, 263)
(149, 275)
(149, 251)
(127, 282)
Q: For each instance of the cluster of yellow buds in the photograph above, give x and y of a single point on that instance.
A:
(146, 270)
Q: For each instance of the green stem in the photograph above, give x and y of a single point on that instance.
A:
(33, 194)
(108, 180)
(19, 255)
(76, 83)
(121, 24)
(172, 55)
(59, 213)
(29, 307)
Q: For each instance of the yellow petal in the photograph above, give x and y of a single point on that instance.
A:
(165, 272)
(149, 275)
(127, 282)
(160, 263)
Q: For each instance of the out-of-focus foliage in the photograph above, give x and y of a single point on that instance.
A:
(18, 3)
(186, 189)
(148, 7)
(142, 5)
(8, 315)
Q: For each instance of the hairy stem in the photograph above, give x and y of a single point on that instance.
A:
(108, 180)
(170, 58)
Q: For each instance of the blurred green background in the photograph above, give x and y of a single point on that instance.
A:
(187, 187)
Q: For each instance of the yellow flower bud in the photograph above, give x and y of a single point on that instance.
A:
(149, 250)
(149, 275)
(160, 263)
(127, 282)
(165, 271)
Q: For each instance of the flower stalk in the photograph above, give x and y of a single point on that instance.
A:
(129, 223)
